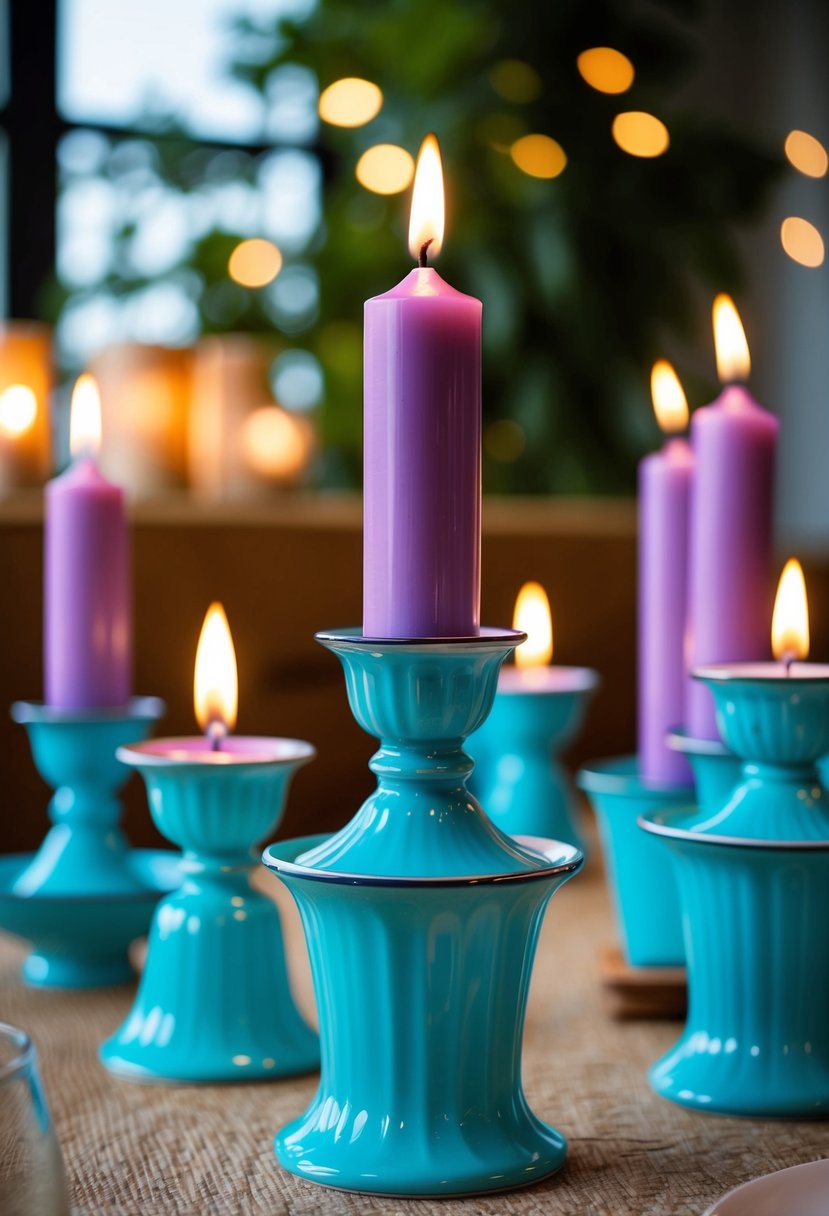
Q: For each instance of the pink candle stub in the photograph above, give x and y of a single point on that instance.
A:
(730, 592)
(545, 679)
(665, 480)
(422, 487)
(232, 750)
(87, 620)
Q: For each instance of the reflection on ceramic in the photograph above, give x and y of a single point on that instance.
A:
(801, 1190)
(214, 1003)
(642, 886)
(85, 895)
(753, 877)
(716, 769)
(81, 941)
(421, 919)
(518, 776)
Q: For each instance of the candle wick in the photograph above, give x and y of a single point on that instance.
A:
(216, 732)
(788, 659)
(424, 249)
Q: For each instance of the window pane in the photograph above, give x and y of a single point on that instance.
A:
(135, 63)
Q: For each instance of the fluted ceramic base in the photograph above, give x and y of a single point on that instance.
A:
(757, 1037)
(214, 1002)
(422, 989)
(643, 887)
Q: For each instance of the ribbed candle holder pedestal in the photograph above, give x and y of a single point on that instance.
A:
(518, 776)
(715, 767)
(753, 878)
(214, 1002)
(85, 894)
(421, 919)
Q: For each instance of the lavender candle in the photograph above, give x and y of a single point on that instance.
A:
(734, 442)
(422, 484)
(665, 479)
(87, 626)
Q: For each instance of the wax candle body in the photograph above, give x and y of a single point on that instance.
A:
(87, 627)
(665, 480)
(730, 594)
(422, 487)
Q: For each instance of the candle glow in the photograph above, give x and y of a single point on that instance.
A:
(426, 222)
(216, 684)
(532, 616)
(733, 359)
(790, 619)
(669, 402)
(18, 410)
(85, 417)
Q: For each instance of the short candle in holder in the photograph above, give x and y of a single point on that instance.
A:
(538, 709)
(214, 1003)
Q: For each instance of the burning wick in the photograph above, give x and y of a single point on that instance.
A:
(216, 733)
(787, 660)
(424, 249)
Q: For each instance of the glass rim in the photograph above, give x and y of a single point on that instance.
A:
(24, 1055)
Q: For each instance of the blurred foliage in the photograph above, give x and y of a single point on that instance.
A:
(586, 279)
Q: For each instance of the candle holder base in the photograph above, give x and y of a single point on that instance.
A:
(753, 877)
(85, 894)
(421, 919)
(214, 1002)
(518, 776)
(642, 886)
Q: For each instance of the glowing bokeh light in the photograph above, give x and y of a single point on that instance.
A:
(254, 263)
(350, 102)
(640, 134)
(539, 156)
(515, 81)
(806, 153)
(385, 169)
(18, 410)
(605, 69)
(802, 241)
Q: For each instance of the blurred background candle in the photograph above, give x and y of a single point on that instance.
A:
(422, 464)
(87, 625)
(734, 442)
(25, 385)
(664, 499)
(145, 397)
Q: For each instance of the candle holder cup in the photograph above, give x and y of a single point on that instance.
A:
(641, 885)
(715, 767)
(214, 1002)
(85, 894)
(518, 777)
(753, 875)
(421, 918)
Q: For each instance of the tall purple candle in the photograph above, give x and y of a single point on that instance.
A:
(422, 484)
(87, 626)
(665, 479)
(730, 591)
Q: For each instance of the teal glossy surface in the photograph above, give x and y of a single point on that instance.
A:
(84, 895)
(753, 876)
(421, 990)
(421, 919)
(643, 888)
(80, 941)
(716, 769)
(214, 1002)
(518, 776)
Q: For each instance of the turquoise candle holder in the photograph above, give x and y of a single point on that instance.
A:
(753, 876)
(421, 919)
(518, 776)
(715, 767)
(214, 1002)
(85, 894)
(642, 886)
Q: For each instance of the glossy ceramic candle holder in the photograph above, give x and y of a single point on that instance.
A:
(715, 767)
(642, 886)
(85, 894)
(421, 918)
(753, 877)
(214, 1002)
(518, 776)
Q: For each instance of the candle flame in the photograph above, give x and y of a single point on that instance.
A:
(85, 417)
(18, 410)
(532, 616)
(733, 359)
(426, 221)
(216, 684)
(669, 401)
(790, 620)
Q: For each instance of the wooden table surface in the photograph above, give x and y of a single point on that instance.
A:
(163, 1151)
